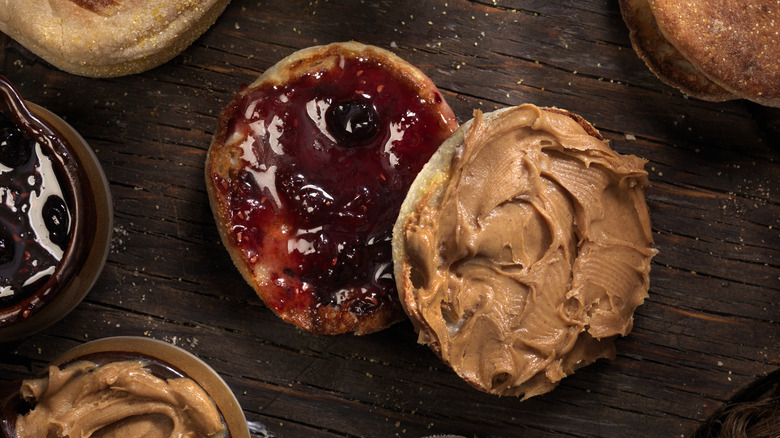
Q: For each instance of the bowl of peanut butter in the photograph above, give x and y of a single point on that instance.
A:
(119, 387)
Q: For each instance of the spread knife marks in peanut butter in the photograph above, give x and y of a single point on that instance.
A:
(118, 399)
(532, 255)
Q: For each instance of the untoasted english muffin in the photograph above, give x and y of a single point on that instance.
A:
(523, 248)
(107, 38)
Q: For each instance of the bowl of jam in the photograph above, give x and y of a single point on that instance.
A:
(55, 216)
(123, 386)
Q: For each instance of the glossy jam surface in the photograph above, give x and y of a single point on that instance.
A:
(35, 221)
(327, 160)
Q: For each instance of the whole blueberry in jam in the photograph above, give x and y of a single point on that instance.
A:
(352, 123)
(57, 220)
(15, 148)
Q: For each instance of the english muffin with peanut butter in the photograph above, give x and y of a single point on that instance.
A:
(523, 248)
(107, 38)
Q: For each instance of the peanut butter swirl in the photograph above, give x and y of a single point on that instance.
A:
(525, 255)
(119, 399)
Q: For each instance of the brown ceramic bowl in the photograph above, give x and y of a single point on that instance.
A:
(164, 360)
(89, 200)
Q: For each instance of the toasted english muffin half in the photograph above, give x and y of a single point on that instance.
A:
(736, 44)
(663, 59)
(713, 51)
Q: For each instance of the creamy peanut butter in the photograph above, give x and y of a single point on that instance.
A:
(118, 399)
(527, 257)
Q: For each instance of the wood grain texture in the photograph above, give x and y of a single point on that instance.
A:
(710, 326)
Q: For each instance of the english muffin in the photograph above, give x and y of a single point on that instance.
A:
(710, 50)
(106, 38)
(736, 44)
(663, 59)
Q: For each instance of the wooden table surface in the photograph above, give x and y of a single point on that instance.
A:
(709, 328)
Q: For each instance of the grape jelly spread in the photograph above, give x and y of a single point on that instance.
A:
(325, 160)
(39, 210)
(34, 216)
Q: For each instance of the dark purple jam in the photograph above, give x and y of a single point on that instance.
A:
(328, 159)
(47, 214)
(34, 217)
